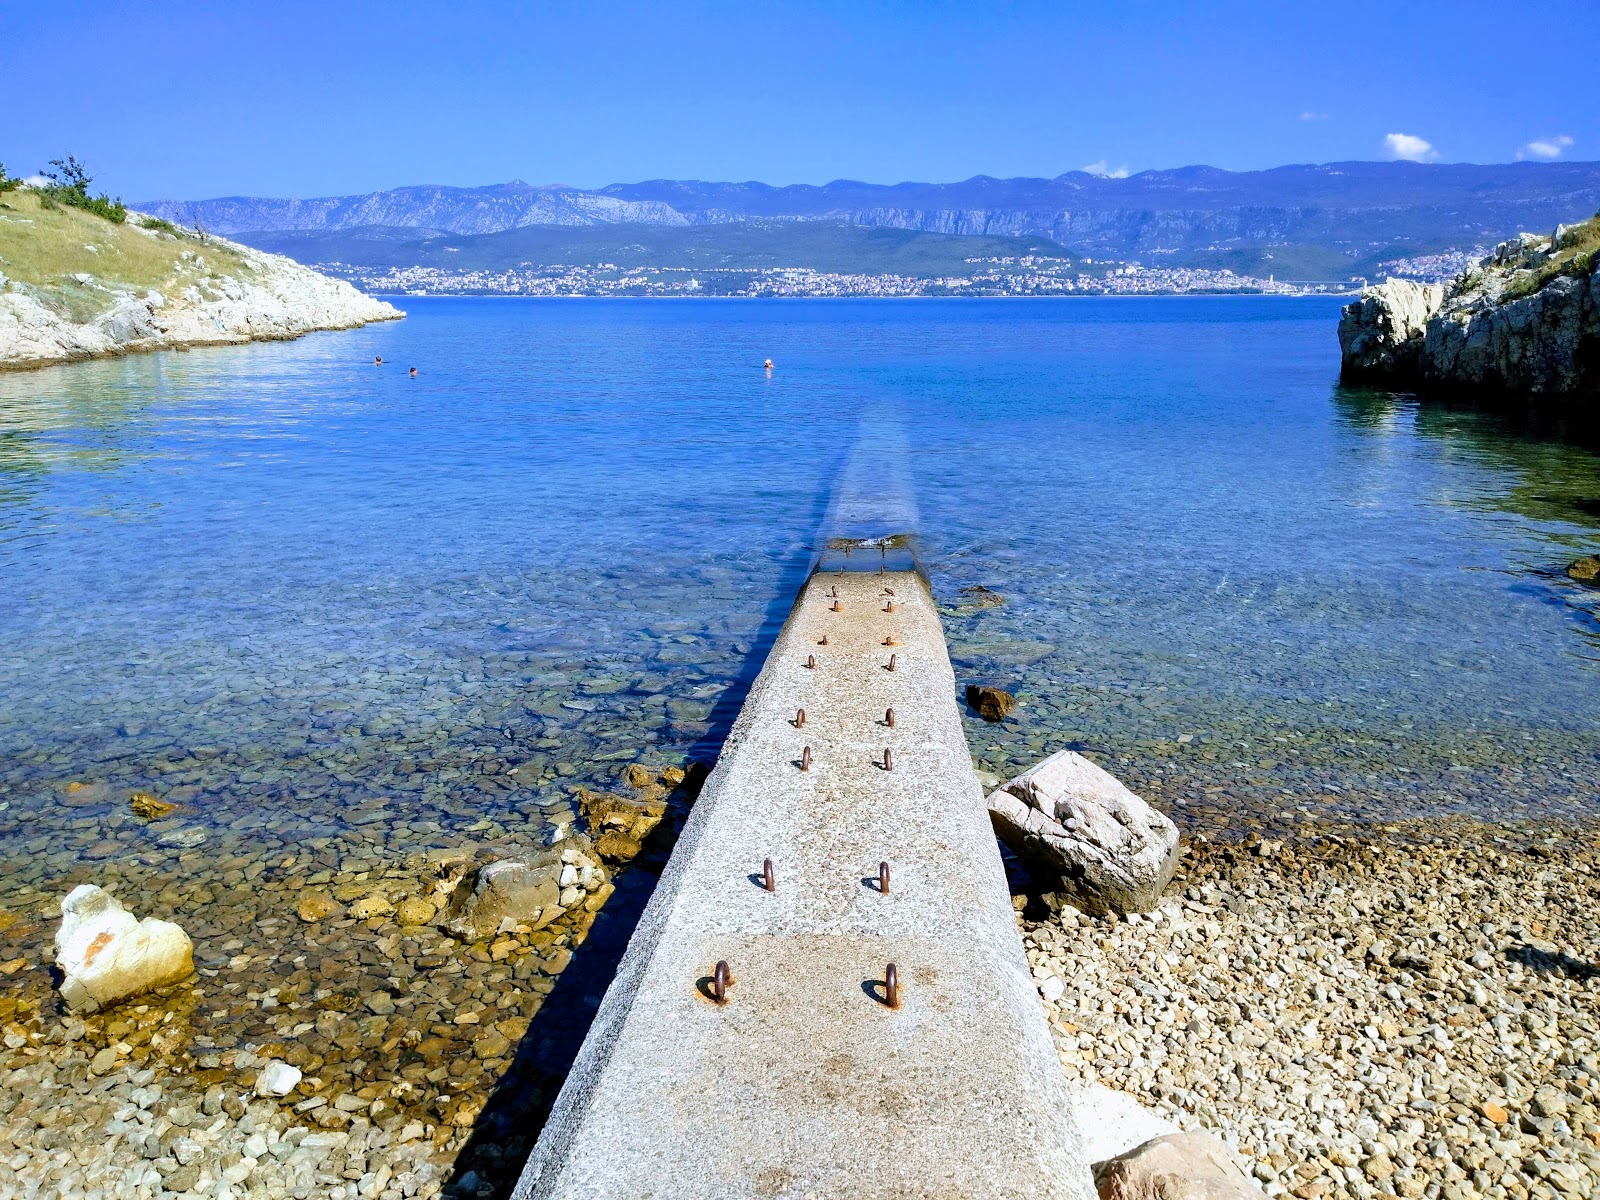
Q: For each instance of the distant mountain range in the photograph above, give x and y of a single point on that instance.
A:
(1336, 217)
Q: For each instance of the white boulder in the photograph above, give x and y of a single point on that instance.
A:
(1177, 1166)
(1381, 333)
(276, 1078)
(1111, 850)
(105, 953)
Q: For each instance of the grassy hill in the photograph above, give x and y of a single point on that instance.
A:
(75, 262)
(744, 245)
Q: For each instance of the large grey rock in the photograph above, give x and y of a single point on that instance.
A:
(1486, 330)
(106, 954)
(508, 892)
(1177, 1166)
(1112, 851)
(1381, 333)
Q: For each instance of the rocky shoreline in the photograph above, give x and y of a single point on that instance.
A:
(1416, 1014)
(1524, 321)
(260, 297)
(1412, 1013)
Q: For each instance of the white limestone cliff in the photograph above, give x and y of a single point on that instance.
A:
(1525, 320)
(271, 299)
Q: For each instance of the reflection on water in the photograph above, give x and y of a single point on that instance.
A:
(346, 620)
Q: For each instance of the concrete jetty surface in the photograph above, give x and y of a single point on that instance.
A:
(805, 1082)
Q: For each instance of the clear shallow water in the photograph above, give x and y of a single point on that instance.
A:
(282, 573)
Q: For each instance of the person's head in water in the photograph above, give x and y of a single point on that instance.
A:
(413, 372)
(377, 360)
(769, 364)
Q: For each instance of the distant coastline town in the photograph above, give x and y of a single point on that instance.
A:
(1027, 275)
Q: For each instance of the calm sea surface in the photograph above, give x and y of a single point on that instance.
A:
(301, 593)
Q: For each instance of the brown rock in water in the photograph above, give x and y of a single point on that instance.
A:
(368, 907)
(979, 597)
(617, 845)
(990, 703)
(637, 775)
(619, 824)
(1585, 569)
(314, 906)
(150, 806)
(415, 911)
(1178, 1166)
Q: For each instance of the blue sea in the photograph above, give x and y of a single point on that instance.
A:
(290, 589)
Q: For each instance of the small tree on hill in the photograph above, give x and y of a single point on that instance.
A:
(69, 183)
(70, 174)
(7, 183)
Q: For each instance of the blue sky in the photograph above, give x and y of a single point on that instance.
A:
(289, 98)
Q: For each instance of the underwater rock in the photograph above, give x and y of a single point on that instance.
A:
(414, 911)
(1585, 569)
(106, 954)
(368, 907)
(315, 907)
(83, 795)
(1111, 850)
(277, 1078)
(507, 893)
(150, 806)
(619, 824)
(990, 703)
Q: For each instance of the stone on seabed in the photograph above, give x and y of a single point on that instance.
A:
(1113, 852)
(106, 953)
(990, 703)
(277, 1078)
(1178, 1166)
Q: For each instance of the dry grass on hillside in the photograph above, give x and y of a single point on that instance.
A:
(46, 246)
(1578, 257)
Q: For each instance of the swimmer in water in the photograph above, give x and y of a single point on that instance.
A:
(377, 360)
(413, 372)
(769, 364)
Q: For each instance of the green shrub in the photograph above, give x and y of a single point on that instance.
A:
(69, 184)
(7, 184)
(158, 225)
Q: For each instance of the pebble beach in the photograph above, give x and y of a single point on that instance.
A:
(1417, 1015)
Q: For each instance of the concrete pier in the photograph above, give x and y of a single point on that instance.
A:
(805, 1082)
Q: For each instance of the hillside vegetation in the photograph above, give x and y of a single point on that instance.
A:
(1575, 252)
(76, 262)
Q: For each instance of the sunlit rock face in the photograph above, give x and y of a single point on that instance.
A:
(1525, 320)
(106, 954)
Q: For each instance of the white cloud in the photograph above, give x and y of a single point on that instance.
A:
(1108, 172)
(35, 181)
(1409, 147)
(1546, 148)
(1313, 116)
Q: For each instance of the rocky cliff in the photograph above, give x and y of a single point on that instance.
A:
(73, 285)
(1525, 320)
